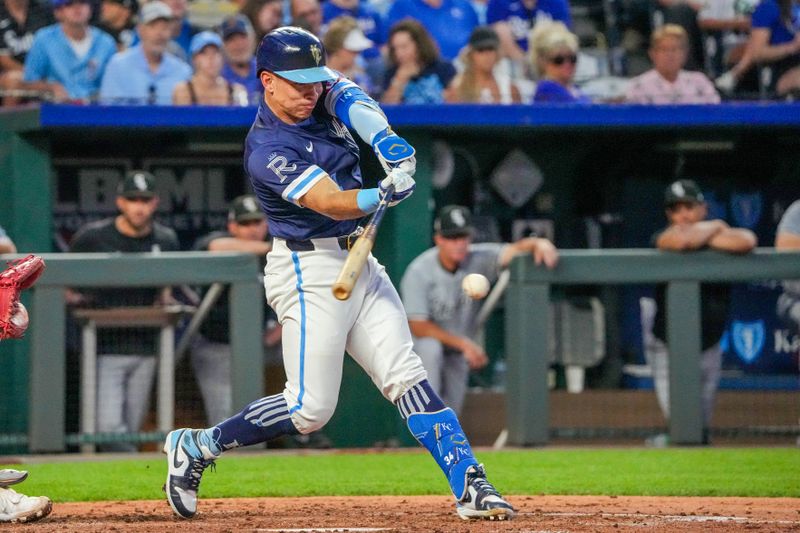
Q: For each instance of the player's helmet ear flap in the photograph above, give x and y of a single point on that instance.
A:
(294, 54)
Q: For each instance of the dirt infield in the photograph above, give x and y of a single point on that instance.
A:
(428, 513)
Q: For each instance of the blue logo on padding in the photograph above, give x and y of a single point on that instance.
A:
(748, 339)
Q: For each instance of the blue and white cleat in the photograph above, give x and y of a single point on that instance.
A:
(187, 458)
(482, 501)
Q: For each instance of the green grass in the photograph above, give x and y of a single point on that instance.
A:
(682, 472)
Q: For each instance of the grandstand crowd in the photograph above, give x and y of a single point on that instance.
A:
(186, 52)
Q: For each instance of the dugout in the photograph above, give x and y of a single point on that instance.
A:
(599, 171)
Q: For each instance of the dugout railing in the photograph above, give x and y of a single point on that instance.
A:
(47, 307)
(527, 317)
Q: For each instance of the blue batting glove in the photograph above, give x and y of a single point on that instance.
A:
(394, 152)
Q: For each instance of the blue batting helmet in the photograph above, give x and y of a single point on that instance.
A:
(294, 54)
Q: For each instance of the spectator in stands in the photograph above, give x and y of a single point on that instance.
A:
(7, 246)
(371, 24)
(416, 75)
(182, 29)
(344, 41)
(688, 230)
(478, 83)
(264, 15)
(441, 317)
(117, 18)
(67, 59)
(449, 22)
(554, 53)
(307, 14)
(238, 38)
(514, 19)
(683, 13)
(146, 73)
(726, 25)
(207, 86)
(667, 82)
(246, 232)
(788, 238)
(775, 42)
(19, 20)
(126, 360)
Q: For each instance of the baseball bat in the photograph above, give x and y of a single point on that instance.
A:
(357, 257)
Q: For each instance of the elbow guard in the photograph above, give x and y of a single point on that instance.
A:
(350, 104)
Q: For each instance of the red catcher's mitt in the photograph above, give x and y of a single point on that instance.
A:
(19, 275)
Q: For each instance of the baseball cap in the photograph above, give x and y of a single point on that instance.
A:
(356, 41)
(683, 191)
(203, 39)
(60, 3)
(245, 208)
(453, 221)
(484, 38)
(137, 184)
(235, 25)
(153, 11)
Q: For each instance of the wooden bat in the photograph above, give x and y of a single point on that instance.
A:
(357, 258)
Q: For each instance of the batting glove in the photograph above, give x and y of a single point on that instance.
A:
(404, 186)
(394, 152)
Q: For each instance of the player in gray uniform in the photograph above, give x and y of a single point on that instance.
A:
(441, 317)
(303, 165)
(788, 238)
(688, 229)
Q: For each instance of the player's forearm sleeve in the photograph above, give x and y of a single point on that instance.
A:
(350, 104)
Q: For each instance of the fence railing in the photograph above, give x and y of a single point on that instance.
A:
(46, 398)
(527, 317)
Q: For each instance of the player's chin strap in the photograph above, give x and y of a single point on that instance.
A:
(436, 427)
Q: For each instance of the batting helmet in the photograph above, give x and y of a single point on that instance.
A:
(294, 54)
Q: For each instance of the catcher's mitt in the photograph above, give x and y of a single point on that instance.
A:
(19, 275)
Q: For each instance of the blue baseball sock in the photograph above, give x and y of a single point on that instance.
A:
(260, 421)
(436, 427)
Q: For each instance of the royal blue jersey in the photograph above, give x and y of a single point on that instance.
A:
(520, 19)
(285, 161)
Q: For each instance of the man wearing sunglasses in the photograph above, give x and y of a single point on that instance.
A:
(688, 230)
(67, 59)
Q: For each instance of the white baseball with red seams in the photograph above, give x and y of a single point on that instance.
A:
(476, 286)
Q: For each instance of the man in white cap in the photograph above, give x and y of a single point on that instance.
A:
(146, 73)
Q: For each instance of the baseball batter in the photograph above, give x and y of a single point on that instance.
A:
(441, 317)
(303, 165)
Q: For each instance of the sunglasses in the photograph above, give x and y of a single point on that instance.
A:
(560, 60)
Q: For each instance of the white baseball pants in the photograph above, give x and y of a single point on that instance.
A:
(317, 329)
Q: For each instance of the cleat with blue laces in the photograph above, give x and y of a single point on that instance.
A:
(187, 459)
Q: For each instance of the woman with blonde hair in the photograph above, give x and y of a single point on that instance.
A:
(554, 54)
(478, 83)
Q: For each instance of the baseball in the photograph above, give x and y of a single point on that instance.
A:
(476, 286)
(20, 317)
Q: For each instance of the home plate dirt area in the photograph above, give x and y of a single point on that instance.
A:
(545, 514)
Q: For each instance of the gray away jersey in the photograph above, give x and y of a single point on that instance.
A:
(432, 293)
